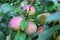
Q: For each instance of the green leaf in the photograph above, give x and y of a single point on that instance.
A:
(58, 7)
(24, 24)
(13, 14)
(18, 2)
(55, 1)
(20, 36)
(1, 36)
(19, 10)
(53, 17)
(1, 17)
(7, 1)
(8, 37)
(50, 6)
(32, 36)
(48, 32)
(6, 8)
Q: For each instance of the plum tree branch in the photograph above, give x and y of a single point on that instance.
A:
(29, 9)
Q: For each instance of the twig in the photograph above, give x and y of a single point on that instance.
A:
(29, 9)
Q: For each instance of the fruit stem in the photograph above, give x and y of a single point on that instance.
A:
(29, 10)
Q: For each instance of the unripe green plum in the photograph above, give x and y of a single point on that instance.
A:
(41, 18)
(58, 38)
(15, 23)
(40, 30)
(31, 29)
(29, 8)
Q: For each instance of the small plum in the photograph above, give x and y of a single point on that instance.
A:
(31, 29)
(41, 18)
(40, 30)
(15, 23)
(29, 8)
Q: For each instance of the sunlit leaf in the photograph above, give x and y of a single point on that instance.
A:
(24, 24)
(53, 17)
(20, 36)
(47, 33)
(8, 37)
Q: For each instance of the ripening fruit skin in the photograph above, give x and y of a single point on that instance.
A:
(27, 8)
(58, 38)
(15, 23)
(40, 30)
(41, 18)
(31, 29)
